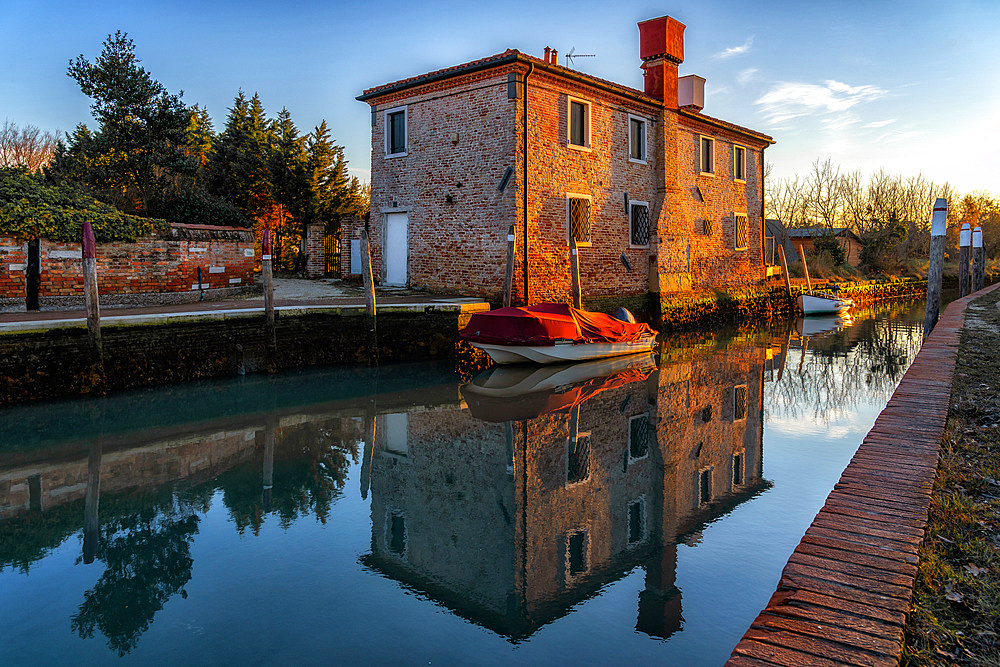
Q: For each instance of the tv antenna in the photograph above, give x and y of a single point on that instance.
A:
(573, 54)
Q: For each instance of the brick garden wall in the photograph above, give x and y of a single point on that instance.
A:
(164, 263)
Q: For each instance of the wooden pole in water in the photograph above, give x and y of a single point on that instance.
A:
(90, 292)
(574, 269)
(784, 272)
(939, 225)
(92, 501)
(978, 260)
(964, 248)
(805, 268)
(366, 274)
(265, 269)
(267, 474)
(508, 279)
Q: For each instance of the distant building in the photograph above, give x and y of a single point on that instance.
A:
(791, 239)
(659, 196)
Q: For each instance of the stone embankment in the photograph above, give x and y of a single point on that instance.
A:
(845, 592)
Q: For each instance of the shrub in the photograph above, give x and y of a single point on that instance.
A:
(194, 207)
(29, 208)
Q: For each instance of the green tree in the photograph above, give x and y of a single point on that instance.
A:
(141, 148)
(238, 166)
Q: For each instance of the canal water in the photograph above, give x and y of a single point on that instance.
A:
(638, 510)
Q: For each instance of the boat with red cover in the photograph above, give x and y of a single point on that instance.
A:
(550, 333)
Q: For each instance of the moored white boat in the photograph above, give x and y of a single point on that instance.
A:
(553, 333)
(563, 351)
(811, 304)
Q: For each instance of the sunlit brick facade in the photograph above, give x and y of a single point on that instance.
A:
(441, 206)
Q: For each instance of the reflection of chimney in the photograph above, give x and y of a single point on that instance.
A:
(661, 47)
(660, 602)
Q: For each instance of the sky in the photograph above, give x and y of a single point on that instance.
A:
(909, 87)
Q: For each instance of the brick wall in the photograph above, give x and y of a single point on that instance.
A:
(315, 251)
(167, 263)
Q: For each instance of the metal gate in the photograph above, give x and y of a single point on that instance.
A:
(331, 247)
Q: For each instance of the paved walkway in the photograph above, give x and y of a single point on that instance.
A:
(291, 296)
(844, 594)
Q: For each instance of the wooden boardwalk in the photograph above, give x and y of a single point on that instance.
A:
(845, 592)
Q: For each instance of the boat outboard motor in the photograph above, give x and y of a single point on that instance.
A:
(623, 314)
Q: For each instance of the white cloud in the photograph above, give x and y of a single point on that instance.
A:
(743, 77)
(879, 123)
(735, 50)
(787, 100)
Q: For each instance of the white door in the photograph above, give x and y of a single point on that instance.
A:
(395, 248)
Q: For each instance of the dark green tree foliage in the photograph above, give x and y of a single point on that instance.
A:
(878, 245)
(140, 149)
(31, 208)
(828, 245)
(147, 557)
(238, 166)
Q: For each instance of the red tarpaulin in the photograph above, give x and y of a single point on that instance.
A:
(545, 323)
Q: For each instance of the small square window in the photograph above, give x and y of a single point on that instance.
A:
(395, 132)
(639, 224)
(636, 139)
(707, 155)
(576, 552)
(578, 123)
(578, 218)
(739, 163)
(741, 232)
(396, 537)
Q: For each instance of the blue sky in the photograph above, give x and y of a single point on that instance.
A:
(907, 86)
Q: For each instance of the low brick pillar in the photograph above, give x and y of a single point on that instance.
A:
(315, 251)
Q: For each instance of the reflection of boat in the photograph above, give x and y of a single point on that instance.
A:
(811, 304)
(524, 392)
(552, 333)
(816, 326)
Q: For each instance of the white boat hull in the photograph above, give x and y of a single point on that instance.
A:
(562, 352)
(822, 305)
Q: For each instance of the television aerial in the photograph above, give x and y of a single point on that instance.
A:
(573, 54)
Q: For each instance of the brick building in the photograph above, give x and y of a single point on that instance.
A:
(659, 196)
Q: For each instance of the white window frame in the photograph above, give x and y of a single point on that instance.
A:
(586, 124)
(737, 176)
(406, 131)
(633, 459)
(645, 139)
(736, 236)
(702, 138)
(630, 205)
(574, 195)
(746, 408)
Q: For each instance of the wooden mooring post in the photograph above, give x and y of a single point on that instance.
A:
(508, 279)
(784, 272)
(92, 500)
(90, 291)
(574, 269)
(939, 225)
(267, 272)
(964, 248)
(978, 260)
(805, 268)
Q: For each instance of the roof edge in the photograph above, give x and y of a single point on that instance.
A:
(725, 125)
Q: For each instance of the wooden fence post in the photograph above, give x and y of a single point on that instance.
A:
(574, 268)
(964, 247)
(939, 225)
(508, 279)
(978, 260)
(784, 271)
(805, 268)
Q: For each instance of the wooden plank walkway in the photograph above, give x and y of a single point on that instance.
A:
(845, 592)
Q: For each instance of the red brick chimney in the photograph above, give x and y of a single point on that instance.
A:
(661, 47)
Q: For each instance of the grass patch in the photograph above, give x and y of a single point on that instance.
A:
(955, 613)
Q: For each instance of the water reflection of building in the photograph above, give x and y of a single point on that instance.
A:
(509, 523)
